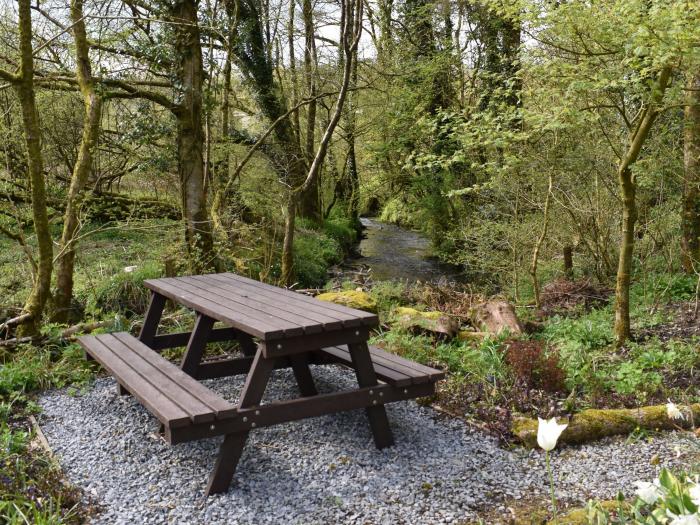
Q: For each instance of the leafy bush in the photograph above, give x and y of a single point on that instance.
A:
(124, 292)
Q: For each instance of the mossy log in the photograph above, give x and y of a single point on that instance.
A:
(594, 424)
(352, 299)
(432, 323)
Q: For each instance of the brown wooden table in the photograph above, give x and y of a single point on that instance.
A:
(275, 328)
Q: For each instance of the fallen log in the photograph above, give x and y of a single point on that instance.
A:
(595, 424)
(84, 328)
(433, 323)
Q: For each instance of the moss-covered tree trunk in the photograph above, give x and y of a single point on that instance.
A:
(628, 189)
(81, 170)
(24, 85)
(309, 203)
(190, 137)
(690, 220)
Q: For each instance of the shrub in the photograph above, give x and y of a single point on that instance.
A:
(535, 366)
(124, 292)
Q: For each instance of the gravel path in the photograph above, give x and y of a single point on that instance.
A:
(323, 470)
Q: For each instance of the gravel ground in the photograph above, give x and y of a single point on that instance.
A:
(323, 470)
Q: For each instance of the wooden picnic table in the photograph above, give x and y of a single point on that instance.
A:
(275, 328)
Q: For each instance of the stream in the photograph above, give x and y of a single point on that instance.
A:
(395, 253)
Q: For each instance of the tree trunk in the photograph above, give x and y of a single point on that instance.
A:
(352, 176)
(628, 188)
(568, 262)
(309, 204)
(690, 220)
(81, 170)
(287, 276)
(41, 287)
(539, 243)
(190, 138)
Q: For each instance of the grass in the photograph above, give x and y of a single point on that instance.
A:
(32, 488)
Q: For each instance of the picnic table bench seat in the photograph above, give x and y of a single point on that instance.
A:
(390, 368)
(173, 397)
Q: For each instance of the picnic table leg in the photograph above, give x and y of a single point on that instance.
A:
(245, 341)
(302, 373)
(152, 319)
(196, 345)
(232, 446)
(366, 376)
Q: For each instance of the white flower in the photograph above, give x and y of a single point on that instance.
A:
(548, 433)
(694, 492)
(684, 519)
(129, 269)
(673, 411)
(647, 492)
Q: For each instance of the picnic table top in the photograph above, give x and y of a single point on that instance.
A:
(259, 309)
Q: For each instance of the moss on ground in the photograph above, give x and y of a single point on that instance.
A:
(352, 299)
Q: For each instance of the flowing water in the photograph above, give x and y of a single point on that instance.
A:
(392, 252)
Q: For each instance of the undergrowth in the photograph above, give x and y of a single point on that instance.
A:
(32, 487)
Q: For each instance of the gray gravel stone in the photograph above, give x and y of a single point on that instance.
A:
(323, 470)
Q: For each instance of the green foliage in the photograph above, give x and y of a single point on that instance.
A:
(479, 364)
(594, 367)
(31, 488)
(124, 292)
(318, 246)
(670, 499)
(51, 365)
(388, 294)
(397, 211)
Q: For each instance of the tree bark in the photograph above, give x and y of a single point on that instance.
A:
(41, 287)
(628, 189)
(81, 170)
(190, 138)
(568, 262)
(539, 243)
(690, 220)
(309, 204)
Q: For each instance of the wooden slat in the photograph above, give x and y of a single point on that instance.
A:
(383, 356)
(220, 407)
(239, 297)
(291, 300)
(279, 305)
(389, 375)
(367, 318)
(153, 399)
(383, 361)
(158, 378)
(275, 323)
(214, 310)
